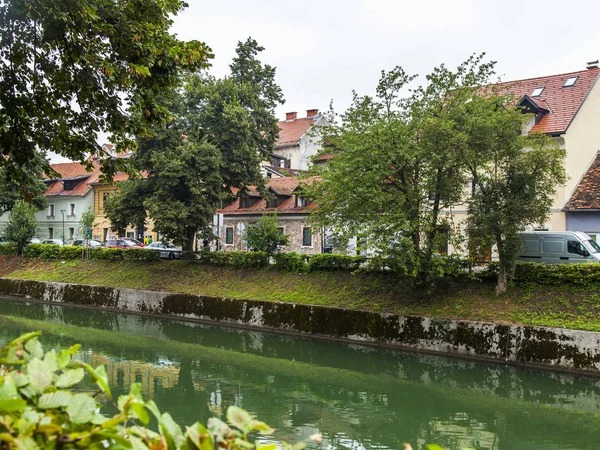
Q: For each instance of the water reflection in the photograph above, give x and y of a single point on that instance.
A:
(358, 397)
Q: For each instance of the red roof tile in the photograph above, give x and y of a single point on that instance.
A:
(76, 171)
(291, 131)
(564, 102)
(325, 157)
(284, 187)
(587, 193)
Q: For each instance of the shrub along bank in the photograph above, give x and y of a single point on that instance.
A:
(564, 296)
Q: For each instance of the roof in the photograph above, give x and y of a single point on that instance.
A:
(71, 171)
(284, 187)
(291, 131)
(564, 102)
(325, 157)
(285, 171)
(587, 193)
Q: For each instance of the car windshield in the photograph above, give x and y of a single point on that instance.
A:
(595, 247)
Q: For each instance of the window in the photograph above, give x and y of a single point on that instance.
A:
(71, 233)
(131, 234)
(71, 209)
(281, 231)
(50, 233)
(51, 210)
(576, 248)
(105, 198)
(302, 202)
(272, 203)
(570, 82)
(104, 234)
(246, 202)
(306, 237)
(537, 91)
(69, 185)
(229, 235)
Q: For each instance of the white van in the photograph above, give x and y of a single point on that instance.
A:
(558, 247)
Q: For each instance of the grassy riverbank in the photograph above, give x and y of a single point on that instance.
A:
(570, 307)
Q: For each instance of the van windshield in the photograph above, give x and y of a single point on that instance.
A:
(592, 244)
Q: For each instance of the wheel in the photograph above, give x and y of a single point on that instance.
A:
(171, 255)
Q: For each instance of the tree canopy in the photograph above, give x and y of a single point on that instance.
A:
(265, 236)
(219, 133)
(409, 156)
(21, 225)
(72, 69)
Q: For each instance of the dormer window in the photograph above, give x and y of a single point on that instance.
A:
(570, 81)
(537, 91)
(302, 202)
(69, 185)
(245, 202)
(272, 202)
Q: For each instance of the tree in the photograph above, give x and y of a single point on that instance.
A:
(21, 225)
(220, 132)
(125, 207)
(72, 69)
(265, 236)
(514, 180)
(31, 188)
(400, 165)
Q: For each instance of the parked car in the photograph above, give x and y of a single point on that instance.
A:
(117, 243)
(3, 240)
(167, 250)
(54, 242)
(92, 243)
(35, 241)
(133, 242)
(558, 247)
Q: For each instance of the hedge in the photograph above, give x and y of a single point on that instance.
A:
(247, 260)
(8, 249)
(290, 262)
(585, 275)
(331, 262)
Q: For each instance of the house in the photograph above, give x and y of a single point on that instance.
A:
(298, 140)
(69, 194)
(566, 107)
(292, 209)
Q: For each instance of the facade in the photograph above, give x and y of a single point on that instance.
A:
(293, 212)
(582, 211)
(298, 140)
(68, 196)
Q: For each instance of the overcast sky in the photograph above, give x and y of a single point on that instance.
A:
(324, 49)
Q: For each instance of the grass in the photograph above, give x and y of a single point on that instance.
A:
(564, 306)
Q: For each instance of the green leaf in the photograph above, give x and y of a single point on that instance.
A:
(40, 376)
(26, 443)
(81, 408)
(433, 447)
(24, 338)
(137, 443)
(34, 349)
(54, 400)
(239, 418)
(261, 427)
(267, 447)
(98, 376)
(8, 389)
(20, 378)
(141, 412)
(170, 430)
(12, 404)
(135, 390)
(200, 436)
(51, 361)
(70, 377)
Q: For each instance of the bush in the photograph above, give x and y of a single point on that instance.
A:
(107, 254)
(586, 275)
(70, 252)
(290, 262)
(33, 250)
(331, 262)
(248, 260)
(141, 254)
(43, 402)
(9, 249)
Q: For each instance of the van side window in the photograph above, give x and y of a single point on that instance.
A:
(575, 247)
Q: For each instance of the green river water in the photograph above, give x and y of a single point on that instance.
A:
(357, 397)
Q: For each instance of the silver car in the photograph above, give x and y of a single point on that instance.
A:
(167, 250)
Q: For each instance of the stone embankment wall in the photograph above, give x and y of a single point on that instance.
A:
(561, 348)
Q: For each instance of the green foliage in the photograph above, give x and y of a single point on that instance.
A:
(107, 254)
(290, 262)
(333, 262)
(8, 249)
(125, 207)
(73, 69)
(264, 236)
(247, 260)
(582, 275)
(42, 403)
(141, 254)
(220, 132)
(31, 186)
(21, 225)
(86, 222)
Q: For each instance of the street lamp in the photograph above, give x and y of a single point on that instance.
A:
(63, 211)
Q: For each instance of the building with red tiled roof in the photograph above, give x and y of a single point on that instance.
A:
(285, 199)
(298, 140)
(567, 108)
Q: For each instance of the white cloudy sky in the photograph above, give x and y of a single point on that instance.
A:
(325, 49)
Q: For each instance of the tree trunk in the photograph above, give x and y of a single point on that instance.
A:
(502, 283)
(189, 243)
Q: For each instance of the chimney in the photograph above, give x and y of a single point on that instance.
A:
(592, 64)
(311, 112)
(290, 116)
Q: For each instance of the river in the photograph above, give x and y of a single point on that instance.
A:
(358, 397)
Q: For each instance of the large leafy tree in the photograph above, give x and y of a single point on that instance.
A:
(399, 164)
(30, 188)
(72, 68)
(265, 236)
(221, 129)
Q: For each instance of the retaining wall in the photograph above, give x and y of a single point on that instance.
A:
(561, 348)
